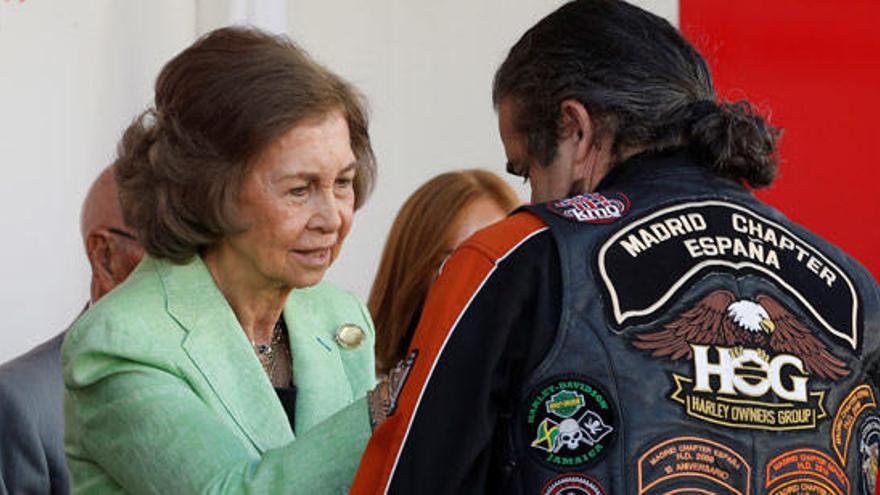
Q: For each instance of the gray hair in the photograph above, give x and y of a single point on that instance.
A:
(643, 84)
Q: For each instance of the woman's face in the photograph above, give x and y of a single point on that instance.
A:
(297, 201)
(479, 213)
(476, 215)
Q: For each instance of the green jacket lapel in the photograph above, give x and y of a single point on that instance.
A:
(220, 350)
(318, 371)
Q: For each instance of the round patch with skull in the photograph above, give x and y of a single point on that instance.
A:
(569, 422)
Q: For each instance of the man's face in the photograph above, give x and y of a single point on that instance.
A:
(547, 183)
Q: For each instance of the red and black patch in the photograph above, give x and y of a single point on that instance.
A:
(572, 484)
(592, 207)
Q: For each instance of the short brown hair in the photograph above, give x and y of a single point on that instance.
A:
(218, 105)
(417, 245)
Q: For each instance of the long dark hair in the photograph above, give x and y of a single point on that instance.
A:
(641, 81)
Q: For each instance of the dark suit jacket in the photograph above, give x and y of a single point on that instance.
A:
(32, 422)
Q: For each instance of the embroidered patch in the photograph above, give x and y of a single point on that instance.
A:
(572, 484)
(565, 403)
(752, 363)
(570, 422)
(805, 471)
(869, 448)
(858, 401)
(592, 207)
(397, 378)
(645, 265)
(689, 464)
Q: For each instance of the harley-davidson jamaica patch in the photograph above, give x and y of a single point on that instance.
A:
(570, 422)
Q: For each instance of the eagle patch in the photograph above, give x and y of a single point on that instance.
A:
(753, 363)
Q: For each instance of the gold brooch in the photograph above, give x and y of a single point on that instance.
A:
(349, 335)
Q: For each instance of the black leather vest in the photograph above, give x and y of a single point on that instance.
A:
(706, 345)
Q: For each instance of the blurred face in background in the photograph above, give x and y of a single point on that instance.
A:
(111, 246)
(433, 221)
(478, 214)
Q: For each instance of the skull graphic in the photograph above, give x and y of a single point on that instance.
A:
(570, 435)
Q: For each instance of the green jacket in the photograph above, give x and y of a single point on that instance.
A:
(164, 394)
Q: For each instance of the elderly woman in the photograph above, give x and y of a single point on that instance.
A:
(224, 364)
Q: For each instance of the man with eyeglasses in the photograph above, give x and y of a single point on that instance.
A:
(31, 388)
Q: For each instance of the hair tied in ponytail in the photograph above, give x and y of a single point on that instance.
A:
(701, 109)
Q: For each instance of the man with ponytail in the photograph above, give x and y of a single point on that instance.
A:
(647, 325)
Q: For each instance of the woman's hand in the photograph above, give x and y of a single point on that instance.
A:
(382, 399)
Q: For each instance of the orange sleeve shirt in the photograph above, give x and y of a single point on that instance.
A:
(488, 321)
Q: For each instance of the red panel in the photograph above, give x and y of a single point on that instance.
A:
(813, 66)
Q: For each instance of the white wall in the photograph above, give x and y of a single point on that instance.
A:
(426, 68)
(74, 73)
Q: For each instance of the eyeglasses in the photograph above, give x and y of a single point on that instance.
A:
(122, 233)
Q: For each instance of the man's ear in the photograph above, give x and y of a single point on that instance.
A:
(574, 120)
(576, 131)
(589, 151)
(98, 249)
